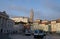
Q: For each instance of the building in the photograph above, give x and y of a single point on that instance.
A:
(6, 24)
(20, 19)
(44, 25)
(58, 26)
(18, 27)
(35, 26)
(10, 24)
(40, 24)
(37, 21)
(3, 21)
(53, 26)
(44, 22)
(20, 22)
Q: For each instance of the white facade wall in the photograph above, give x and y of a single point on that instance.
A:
(44, 27)
(35, 26)
(58, 27)
(41, 26)
(18, 19)
(53, 26)
(44, 21)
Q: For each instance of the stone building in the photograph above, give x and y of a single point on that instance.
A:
(3, 21)
(20, 23)
(6, 24)
(10, 24)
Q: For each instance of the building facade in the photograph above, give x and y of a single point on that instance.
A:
(20, 19)
(10, 24)
(3, 21)
(58, 26)
(53, 26)
(18, 28)
(6, 24)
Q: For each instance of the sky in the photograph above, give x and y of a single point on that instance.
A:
(43, 9)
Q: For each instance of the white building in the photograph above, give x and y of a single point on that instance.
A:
(3, 21)
(37, 21)
(6, 24)
(20, 19)
(44, 24)
(41, 25)
(44, 27)
(53, 26)
(35, 26)
(58, 26)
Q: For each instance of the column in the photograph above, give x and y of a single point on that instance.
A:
(0, 24)
(3, 24)
(7, 25)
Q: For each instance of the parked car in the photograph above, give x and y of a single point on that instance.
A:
(36, 34)
(27, 32)
(39, 34)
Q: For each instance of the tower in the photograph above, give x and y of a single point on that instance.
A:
(31, 15)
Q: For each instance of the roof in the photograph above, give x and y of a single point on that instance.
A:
(4, 14)
(19, 17)
(58, 20)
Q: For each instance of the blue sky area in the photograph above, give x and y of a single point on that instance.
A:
(43, 9)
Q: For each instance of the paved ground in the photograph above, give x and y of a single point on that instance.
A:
(54, 36)
(20, 37)
(17, 36)
(4, 36)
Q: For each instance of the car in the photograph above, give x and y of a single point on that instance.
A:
(36, 33)
(39, 34)
(27, 32)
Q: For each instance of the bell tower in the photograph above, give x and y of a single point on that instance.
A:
(31, 15)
